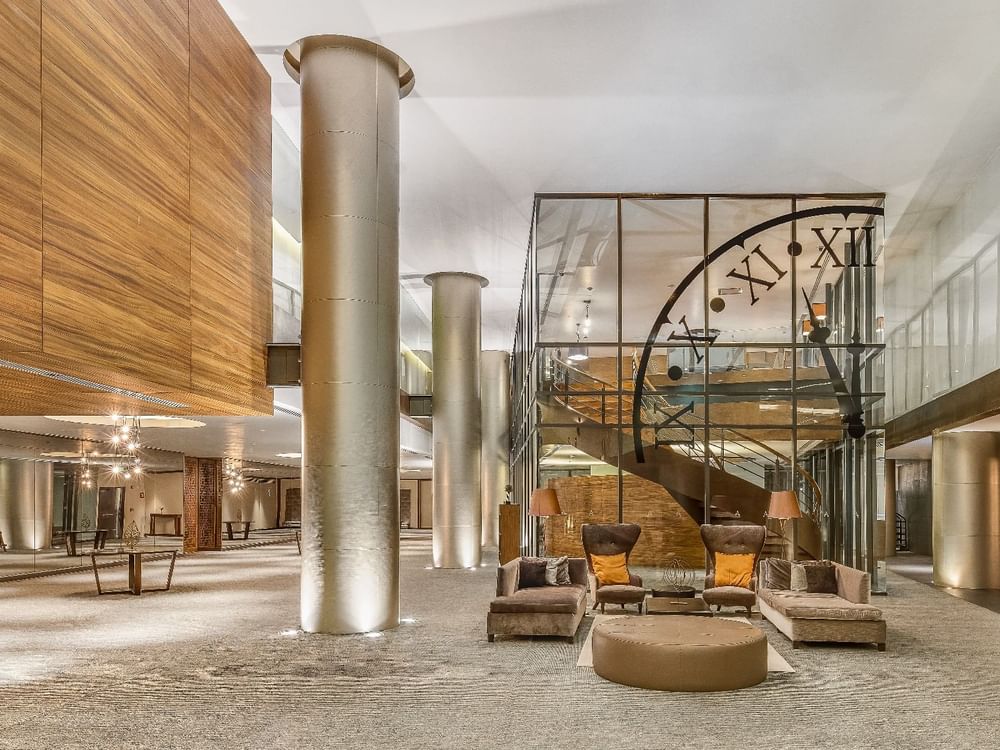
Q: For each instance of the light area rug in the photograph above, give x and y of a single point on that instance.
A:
(775, 661)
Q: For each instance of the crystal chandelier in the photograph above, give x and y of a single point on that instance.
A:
(124, 440)
(232, 470)
(87, 478)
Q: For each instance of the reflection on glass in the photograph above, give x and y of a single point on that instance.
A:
(961, 301)
(986, 312)
(577, 271)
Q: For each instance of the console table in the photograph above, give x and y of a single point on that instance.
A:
(229, 528)
(134, 569)
(165, 519)
(73, 537)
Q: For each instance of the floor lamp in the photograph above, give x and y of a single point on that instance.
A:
(784, 506)
(544, 502)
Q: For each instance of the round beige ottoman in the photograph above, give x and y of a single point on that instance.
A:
(690, 654)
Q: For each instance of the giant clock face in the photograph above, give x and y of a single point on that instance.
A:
(792, 292)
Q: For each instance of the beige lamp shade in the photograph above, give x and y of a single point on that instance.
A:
(544, 503)
(784, 505)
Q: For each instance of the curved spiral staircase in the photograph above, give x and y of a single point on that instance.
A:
(676, 457)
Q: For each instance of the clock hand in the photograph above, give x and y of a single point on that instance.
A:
(855, 419)
(850, 412)
(819, 334)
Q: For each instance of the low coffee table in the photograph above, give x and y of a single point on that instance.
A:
(674, 592)
(662, 606)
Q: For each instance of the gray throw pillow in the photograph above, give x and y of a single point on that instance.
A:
(814, 577)
(532, 572)
(557, 571)
(797, 581)
(775, 574)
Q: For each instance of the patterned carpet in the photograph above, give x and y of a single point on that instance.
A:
(217, 663)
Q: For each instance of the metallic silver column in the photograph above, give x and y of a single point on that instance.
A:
(26, 504)
(455, 335)
(350, 331)
(495, 398)
(965, 473)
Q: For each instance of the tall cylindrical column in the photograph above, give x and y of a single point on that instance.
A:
(965, 475)
(495, 398)
(350, 331)
(455, 337)
(26, 504)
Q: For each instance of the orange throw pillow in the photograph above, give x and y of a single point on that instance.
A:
(733, 570)
(610, 569)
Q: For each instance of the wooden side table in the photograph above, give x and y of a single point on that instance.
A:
(134, 570)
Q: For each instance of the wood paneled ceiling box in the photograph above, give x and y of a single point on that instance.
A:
(135, 210)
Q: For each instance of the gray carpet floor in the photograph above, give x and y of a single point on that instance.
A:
(218, 663)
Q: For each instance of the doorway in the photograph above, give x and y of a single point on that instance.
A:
(111, 510)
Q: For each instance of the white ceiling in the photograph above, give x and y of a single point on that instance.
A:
(657, 95)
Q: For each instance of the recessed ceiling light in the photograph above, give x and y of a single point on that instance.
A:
(158, 422)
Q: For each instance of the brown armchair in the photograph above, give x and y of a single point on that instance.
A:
(731, 540)
(612, 539)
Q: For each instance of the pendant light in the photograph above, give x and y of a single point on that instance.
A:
(577, 353)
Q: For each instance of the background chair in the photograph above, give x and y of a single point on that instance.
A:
(612, 539)
(731, 540)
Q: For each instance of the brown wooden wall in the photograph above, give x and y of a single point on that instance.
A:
(135, 207)
(667, 529)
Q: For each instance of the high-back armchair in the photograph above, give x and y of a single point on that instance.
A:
(731, 540)
(612, 539)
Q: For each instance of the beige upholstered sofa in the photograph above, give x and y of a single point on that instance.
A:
(844, 617)
(538, 610)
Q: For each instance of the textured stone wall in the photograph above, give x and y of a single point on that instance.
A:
(202, 504)
(666, 528)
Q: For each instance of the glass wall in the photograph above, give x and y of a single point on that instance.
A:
(678, 358)
(951, 340)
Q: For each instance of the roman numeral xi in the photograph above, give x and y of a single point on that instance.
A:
(748, 276)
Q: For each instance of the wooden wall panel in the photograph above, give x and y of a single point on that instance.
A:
(667, 529)
(230, 209)
(135, 206)
(115, 170)
(20, 176)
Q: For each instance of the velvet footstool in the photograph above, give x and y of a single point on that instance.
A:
(681, 653)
